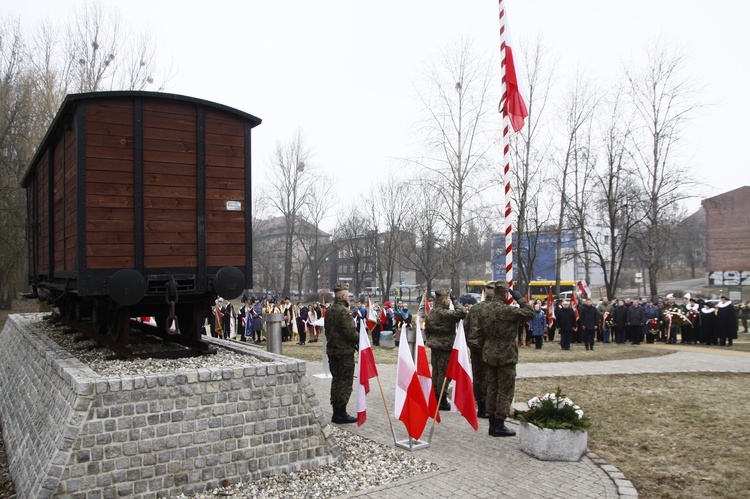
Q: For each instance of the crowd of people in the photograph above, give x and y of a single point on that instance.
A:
(693, 320)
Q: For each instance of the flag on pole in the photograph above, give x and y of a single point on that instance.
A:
(423, 370)
(367, 370)
(411, 406)
(516, 104)
(459, 370)
(372, 316)
(550, 308)
(528, 295)
(574, 305)
(427, 306)
(584, 289)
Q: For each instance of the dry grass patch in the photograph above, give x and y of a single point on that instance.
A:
(551, 352)
(671, 435)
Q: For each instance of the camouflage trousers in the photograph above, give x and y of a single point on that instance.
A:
(440, 360)
(501, 386)
(342, 373)
(477, 372)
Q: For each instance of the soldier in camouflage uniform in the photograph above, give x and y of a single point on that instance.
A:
(341, 343)
(440, 333)
(500, 354)
(475, 340)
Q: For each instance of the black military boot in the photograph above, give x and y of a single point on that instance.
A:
(481, 410)
(498, 429)
(341, 417)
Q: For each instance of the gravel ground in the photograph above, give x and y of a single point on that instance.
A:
(364, 463)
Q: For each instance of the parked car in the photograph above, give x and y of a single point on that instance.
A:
(470, 298)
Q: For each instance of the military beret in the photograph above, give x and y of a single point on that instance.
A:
(502, 285)
(340, 286)
(442, 292)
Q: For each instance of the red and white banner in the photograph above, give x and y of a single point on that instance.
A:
(423, 371)
(459, 370)
(584, 290)
(411, 406)
(372, 315)
(367, 370)
(550, 308)
(516, 104)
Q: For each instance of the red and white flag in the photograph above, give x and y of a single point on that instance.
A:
(372, 315)
(459, 370)
(574, 304)
(584, 289)
(423, 371)
(550, 308)
(427, 306)
(367, 370)
(516, 103)
(411, 406)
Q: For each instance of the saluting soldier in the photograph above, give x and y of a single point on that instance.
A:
(475, 341)
(440, 333)
(500, 354)
(341, 343)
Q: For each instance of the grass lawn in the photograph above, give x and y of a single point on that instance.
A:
(672, 435)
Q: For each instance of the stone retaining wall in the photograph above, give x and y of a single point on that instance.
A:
(69, 432)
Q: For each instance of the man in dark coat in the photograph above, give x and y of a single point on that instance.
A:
(588, 321)
(636, 321)
(439, 334)
(621, 319)
(566, 322)
(341, 343)
(726, 322)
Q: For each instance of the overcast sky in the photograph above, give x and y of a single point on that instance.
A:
(343, 71)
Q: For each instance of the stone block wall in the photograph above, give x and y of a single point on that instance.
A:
(72, 433)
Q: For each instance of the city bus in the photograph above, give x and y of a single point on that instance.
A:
(540, 289)
(475, 286)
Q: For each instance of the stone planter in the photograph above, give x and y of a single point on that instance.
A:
(552, 445)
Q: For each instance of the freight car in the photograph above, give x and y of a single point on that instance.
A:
(139, 204)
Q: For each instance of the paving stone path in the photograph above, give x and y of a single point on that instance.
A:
(472, 464)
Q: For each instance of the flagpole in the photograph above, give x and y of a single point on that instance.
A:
(387, 412)
(506, 153)
(437, 409)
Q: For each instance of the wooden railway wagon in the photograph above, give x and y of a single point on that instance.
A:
(136, 199)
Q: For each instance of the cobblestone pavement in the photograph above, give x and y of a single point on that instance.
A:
(473, 464)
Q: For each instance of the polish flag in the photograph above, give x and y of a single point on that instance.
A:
(459, 370)
(574, 305)
(423, 371)
(427, 306)
(411, 406)
(367, 370)
(516, 103)
(584, 289)
(528, 295)
(372, 316)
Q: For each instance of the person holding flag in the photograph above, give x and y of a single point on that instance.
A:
(500, 353)
(440, 333)
(342, 339)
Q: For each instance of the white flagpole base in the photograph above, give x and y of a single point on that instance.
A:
(411, 445)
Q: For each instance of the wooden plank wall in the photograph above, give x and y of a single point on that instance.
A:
(71, 197)
(58, 203)
(170, 190)
(109, 185)
(225, 181)
(42, 227)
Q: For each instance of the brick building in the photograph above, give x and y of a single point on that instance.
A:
(728, 238)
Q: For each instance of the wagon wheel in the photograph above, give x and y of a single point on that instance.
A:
(119, 326)
(101, 319)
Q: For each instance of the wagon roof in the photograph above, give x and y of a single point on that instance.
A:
(72, 100)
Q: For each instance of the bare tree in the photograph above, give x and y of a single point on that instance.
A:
(290, 183)
(663, 103)
(458, 130)
(316, 248)
(580, 103)
(352, 239)
(615, 199)
(426, 252)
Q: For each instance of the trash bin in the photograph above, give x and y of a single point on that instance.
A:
(386, 339)
(273, 332)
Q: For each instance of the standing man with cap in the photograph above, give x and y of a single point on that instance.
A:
(341, 343)
(500, 354)
(475, 341)
(440, 333)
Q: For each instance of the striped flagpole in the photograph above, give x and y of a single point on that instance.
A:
(506, 153)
